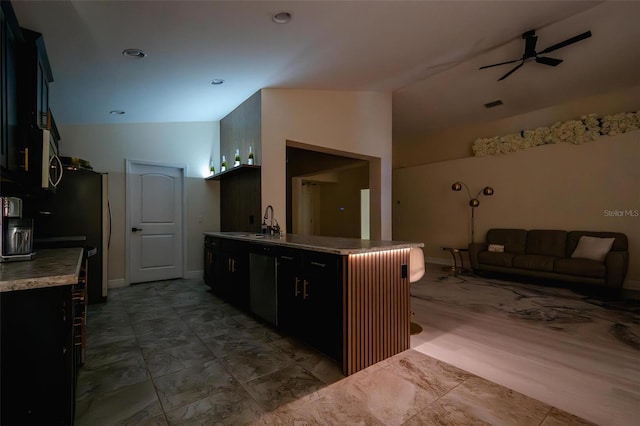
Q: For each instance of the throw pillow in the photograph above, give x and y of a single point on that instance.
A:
(498, 248)
(593, 248)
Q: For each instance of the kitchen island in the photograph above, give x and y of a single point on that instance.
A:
(347, 297)
(43, 305)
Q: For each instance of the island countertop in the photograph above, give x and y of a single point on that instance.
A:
(334, 245)
(49, 268)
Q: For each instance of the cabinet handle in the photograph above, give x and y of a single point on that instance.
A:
(304, 289)
(57, 167)
(296, 292)
(322, 265)
(25, 166)
(286, 257)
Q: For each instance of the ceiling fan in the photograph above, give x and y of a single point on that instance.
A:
(530, 39)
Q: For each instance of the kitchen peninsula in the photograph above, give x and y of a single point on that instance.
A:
(347, 297)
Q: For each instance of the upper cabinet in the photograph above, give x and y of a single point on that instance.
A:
(241, 130)
(36, 71)
(10, 38)
(27, 122)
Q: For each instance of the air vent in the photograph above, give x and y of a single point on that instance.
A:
(493, 104)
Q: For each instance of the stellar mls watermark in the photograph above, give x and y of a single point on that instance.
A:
(622, 213)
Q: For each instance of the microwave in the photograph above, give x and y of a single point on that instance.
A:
(52, 170)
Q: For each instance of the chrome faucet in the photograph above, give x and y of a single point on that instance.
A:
(272, 228)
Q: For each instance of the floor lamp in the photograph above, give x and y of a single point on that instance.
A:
(473, 202)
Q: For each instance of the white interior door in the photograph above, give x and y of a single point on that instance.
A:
(154, 204)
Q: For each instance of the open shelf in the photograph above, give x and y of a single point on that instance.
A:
(232, 171)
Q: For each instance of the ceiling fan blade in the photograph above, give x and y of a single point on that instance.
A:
(501, 63)
(567, 42)
(548, 61)
(511, 72)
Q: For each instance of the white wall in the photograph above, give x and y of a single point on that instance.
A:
(189, 144)
(352, 122)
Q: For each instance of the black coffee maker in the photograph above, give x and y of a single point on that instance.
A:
(17, 232)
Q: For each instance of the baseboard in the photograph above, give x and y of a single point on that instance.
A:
(119, 283)
(194, 275)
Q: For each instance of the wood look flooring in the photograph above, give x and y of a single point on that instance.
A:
(576, 348)
(171, 352)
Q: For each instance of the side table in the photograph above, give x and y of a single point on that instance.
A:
(456, 269)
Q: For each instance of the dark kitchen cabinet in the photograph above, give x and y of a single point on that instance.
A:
(34, 115)
(26, 75)
(289, 288)
(212, 262)
(10, 145)
(235, 272)
(38, 356)
(36, 75)
(226, 269)
(322, 300)
(310, 298)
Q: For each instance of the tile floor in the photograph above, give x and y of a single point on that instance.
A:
(171, 352)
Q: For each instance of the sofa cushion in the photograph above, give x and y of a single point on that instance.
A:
(534, 261)
(620, 244)
(495, 258)
(513, 240)
(580, 267)
(594, 248)
(547, 242)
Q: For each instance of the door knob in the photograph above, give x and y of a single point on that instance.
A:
(136, 229)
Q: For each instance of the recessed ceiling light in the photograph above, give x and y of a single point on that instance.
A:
(134, 53)
(281, 17)
(217, 81)
(116, 112)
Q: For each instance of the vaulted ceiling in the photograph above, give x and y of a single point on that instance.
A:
(426, 52)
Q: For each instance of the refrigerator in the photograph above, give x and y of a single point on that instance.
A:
(77, 215)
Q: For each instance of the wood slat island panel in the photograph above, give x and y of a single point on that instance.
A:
(376, 311)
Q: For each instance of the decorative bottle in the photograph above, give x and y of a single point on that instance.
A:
(250, 158)
(223, 165)
(236, 162)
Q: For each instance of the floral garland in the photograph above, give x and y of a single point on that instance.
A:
(586, 129)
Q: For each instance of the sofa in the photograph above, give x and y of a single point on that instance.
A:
(599, 258)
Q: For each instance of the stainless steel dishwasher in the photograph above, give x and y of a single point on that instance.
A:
(263, 291)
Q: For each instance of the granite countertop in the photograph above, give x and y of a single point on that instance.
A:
(335, 245)
(49, 268)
